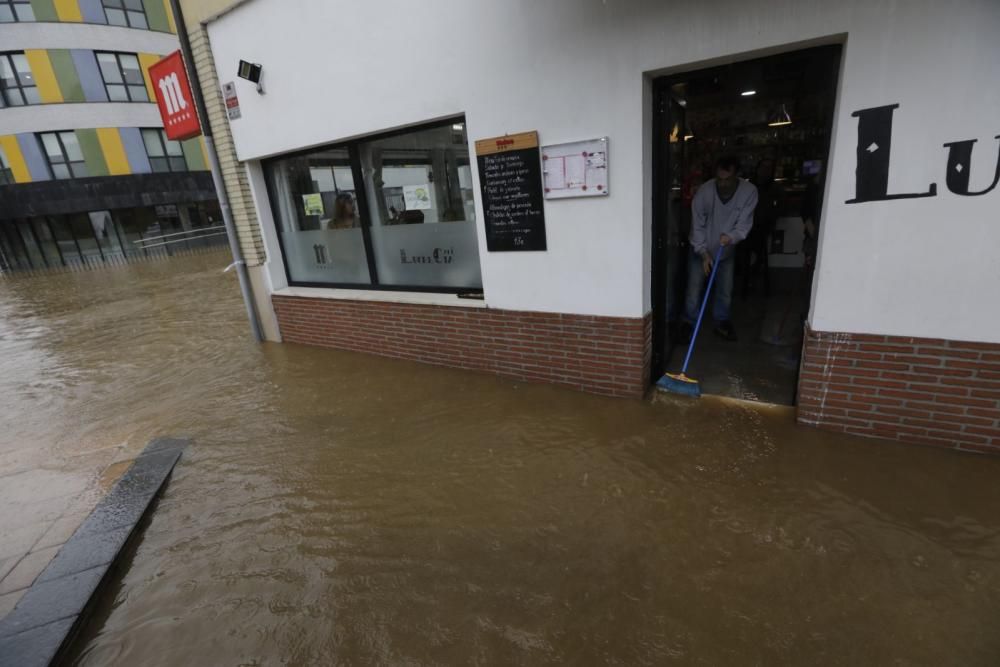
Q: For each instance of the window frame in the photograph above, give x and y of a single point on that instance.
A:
(121, 72)
(20, 86)
(12, 3)
(125, 12)
(6, 171)
(162, 135)
(66, 161)
(361, 195)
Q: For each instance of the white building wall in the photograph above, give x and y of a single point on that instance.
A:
(49, 35)
(76, 115)
(576, 69)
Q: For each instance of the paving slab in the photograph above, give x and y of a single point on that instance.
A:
(26, 570)
(42, 619)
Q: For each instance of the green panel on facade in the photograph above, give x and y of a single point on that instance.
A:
(193, 155)
(92, 153)
(156, 14)
(66, 75)
(44, 10)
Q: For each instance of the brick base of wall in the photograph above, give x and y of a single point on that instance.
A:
(603, 355)
(917, 390)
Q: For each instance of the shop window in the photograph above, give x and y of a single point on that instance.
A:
(17, 85)
(128, 13)
(164, 154)
(316, 206)
(64, 154)
(6, 173)
(122, 77)
(394, 211)
(16, 10)
(423, 215)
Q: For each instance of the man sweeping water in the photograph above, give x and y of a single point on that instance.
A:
(721, 217)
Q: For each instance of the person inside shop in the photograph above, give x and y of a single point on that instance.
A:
(344, 216)
(721, 216)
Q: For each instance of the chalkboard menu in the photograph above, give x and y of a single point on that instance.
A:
(510, 174)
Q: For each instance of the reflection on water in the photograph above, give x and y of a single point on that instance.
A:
(342, 508)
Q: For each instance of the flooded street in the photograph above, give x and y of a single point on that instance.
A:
(338, 508)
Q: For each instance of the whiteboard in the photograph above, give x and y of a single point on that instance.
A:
(576, 169)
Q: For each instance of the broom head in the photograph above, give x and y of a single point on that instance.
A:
(679, 384)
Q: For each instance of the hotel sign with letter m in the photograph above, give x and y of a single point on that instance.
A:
(173, 96)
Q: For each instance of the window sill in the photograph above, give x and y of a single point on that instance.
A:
(418, 298)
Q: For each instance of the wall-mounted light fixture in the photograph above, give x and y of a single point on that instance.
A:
(252, 72)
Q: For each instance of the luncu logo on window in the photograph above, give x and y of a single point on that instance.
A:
(173, 97)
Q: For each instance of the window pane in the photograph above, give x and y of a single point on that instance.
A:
(60, 171)
(135, 5)
(109, 67)
(173, 147)
(117, 94)
(130, 66)
(52, 148)
(137, 20)
(317, 218)
(115, 16)
(31, 95)
(152, 140)
(113, 3)
(24, 12)
(24, 75)
(159, 164)
(178, 164)
(7, 78)
(422, 208)
(6, 14)
(72, 146)
(79, 169)
(14, 97)
(138, 93)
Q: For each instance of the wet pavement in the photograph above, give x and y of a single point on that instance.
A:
(338, 508)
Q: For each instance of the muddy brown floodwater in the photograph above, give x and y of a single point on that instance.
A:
(339, 508)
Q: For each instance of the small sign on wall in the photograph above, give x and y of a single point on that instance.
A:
(232, 100)
(576, 169)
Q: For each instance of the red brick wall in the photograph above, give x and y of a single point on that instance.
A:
(604, 355)
(920, 390)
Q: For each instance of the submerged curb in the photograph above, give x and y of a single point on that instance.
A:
(45, 619)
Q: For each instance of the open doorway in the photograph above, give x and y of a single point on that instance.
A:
(773, 116)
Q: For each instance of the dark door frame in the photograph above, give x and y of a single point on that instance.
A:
(661, 172)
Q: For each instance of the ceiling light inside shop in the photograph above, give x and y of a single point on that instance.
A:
(781, 118)
(458, 127)
(748, 93)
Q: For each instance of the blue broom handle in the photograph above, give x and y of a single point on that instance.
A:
(701, 313)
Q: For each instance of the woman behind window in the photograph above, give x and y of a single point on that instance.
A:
(344, 216)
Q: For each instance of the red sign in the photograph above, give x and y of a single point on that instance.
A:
(173, 96)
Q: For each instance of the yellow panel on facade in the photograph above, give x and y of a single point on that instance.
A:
(145, 60)
(45, 77)
(68, 10)
(170, 16)
(15, 159)
(204, 151)
(114, 151)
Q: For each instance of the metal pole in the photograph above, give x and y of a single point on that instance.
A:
(213, 163)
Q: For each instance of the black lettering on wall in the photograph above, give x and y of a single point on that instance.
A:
(959, 161)
(874, 151)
